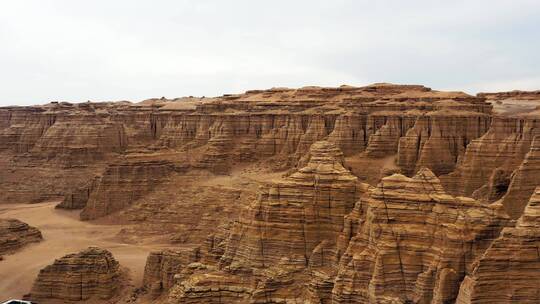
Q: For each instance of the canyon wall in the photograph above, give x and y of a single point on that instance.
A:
(294, 216)
(414, 243)
(377, 194)
(122, 184)
(485, 170)
(508, 270)
(524, 180)
(65, 145)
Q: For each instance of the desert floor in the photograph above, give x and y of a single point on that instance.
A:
(63, 233)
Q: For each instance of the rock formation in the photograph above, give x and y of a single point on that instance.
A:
(62, 146)
(449, 176)
(78, 198)
(23, 127)
(493, 157)
(15, 234)
(90, 274)
(516, 94)
(210, 288)
(78, 139)
(508, 271)
(162, 266)
(414, 243)
(295, 215)
(385, 139)
(438, 139)
(122, 184)
(186, 215)
(524, 180)
(294, 224)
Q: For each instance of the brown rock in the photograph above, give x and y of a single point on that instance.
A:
(384, 141)
(162, 266)
(438, 139)
(90, 274)
(189, 214)
(516, 94)
(77, 139)
(508, 271)
(525, 179)
(23, 127)
(500, 151)
(78, 198)
(294, 215)
(414, 243)
(122, 184)
(315, 235)
(211, 289)
(15, 234)
(349, 133)
(59, 140)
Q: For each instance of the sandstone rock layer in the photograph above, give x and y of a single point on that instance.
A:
(508, 271)
(447, 215)
(90, 274)
(414, 243)
(296, 214)
(15, 234)
(122, 184)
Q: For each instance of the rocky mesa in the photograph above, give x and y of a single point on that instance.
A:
(378, 194)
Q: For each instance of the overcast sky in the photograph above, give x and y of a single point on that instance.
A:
(116, 50)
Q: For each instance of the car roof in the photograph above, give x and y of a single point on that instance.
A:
(16, 301)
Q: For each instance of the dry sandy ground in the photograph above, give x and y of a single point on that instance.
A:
(511, 107)
(63, 233)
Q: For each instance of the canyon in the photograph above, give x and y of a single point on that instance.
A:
(378, 194)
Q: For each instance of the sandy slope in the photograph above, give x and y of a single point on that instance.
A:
(63, 233)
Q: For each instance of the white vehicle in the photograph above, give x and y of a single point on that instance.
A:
(15, 301)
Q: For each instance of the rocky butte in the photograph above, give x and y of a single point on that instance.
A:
(91, 273)
(15, 235)
(378, 194)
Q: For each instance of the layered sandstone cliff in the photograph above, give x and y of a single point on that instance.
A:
(414, 243)
(49, 144)
(406, 241)
(293, 225)
(15, 234)
(77, 198)
(508, 271)
(77, 139)
(438, 139)
(295, 215)
(184, 173)
(186, 215)
(524, 180)
(90, 274)
(22, 127)
(122, 184)
(489, 161)
(162, 267)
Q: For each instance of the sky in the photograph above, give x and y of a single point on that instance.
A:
(74, 50)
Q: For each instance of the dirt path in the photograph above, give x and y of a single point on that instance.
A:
(63, 233)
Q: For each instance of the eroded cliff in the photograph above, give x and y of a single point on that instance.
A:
(508, 271)
(377, 194)
(414, 243)
(90, 274)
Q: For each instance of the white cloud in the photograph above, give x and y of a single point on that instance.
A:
(106, 50)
